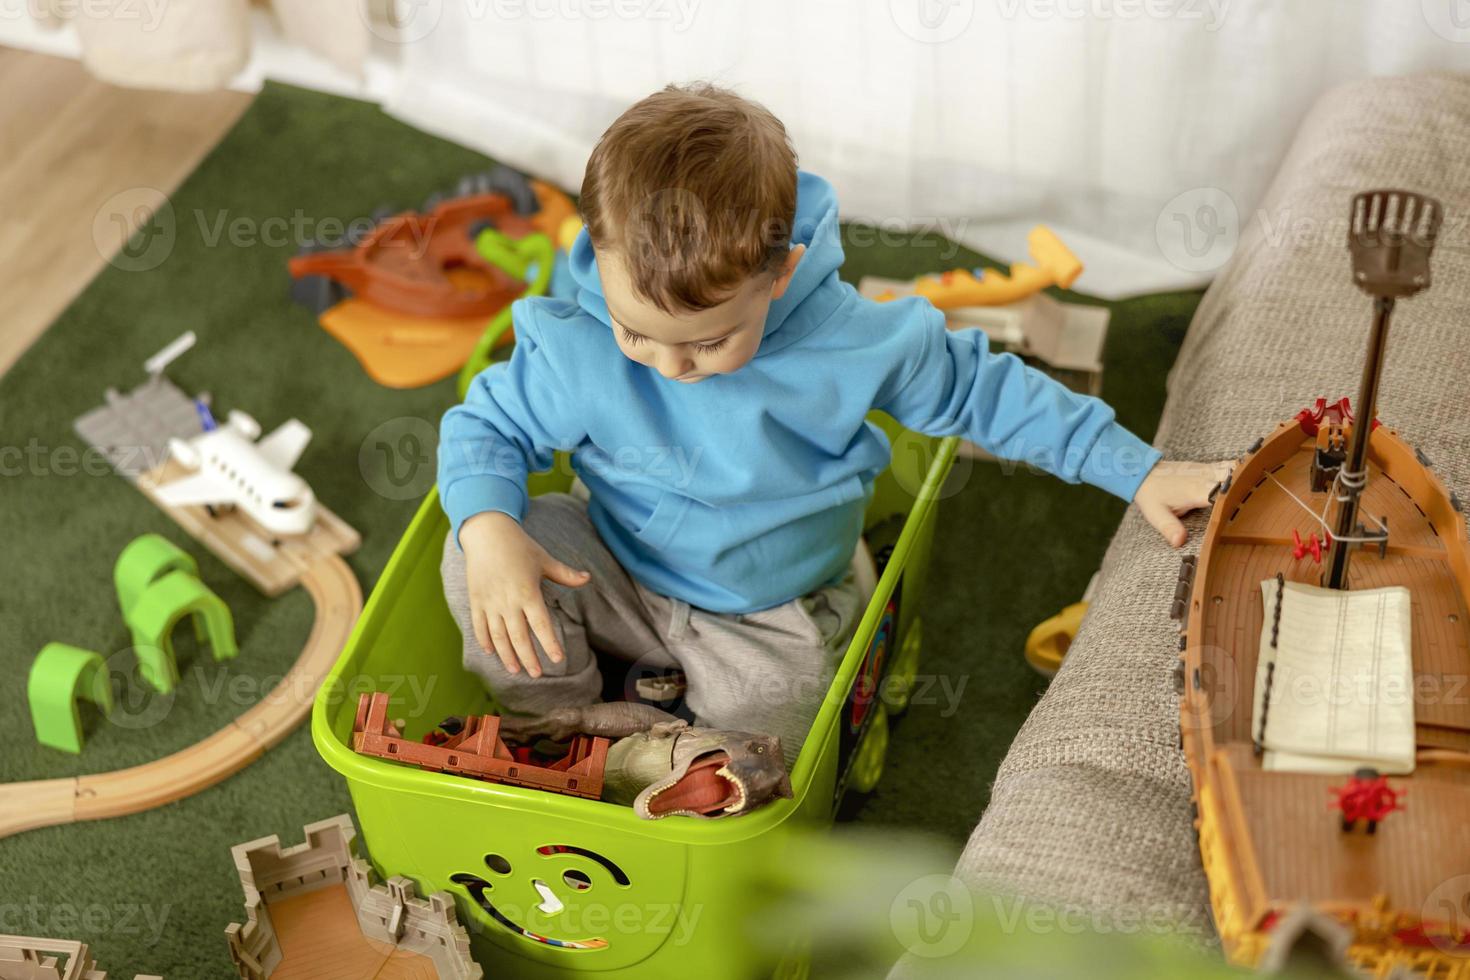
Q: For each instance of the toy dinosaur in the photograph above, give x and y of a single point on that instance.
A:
(612, 719)
(698, 772)
(661, 766)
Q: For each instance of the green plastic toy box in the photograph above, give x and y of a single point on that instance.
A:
(552, 885)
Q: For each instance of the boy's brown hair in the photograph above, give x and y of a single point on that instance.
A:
(694, 188)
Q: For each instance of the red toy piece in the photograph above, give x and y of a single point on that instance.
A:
(1367, 796)
(426, 265)
(1312, 546)
(478, 752)
(1339, 412)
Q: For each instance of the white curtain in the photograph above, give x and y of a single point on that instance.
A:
(1142, 130)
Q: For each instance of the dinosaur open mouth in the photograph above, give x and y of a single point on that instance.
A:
(707, 788)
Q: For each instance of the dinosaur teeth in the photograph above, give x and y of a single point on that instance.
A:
(741, 795)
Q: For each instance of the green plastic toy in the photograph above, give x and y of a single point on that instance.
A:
(146, 559)
(634, 898)
(533, 256)
(158, 610)
(59, 676)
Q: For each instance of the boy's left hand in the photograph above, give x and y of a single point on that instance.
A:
(1172, 489)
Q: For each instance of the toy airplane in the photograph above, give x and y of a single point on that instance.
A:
(233, 469)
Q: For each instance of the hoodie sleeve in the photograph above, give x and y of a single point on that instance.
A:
(514, 416)
(946, 382)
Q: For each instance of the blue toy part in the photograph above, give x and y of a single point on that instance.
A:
(206, 417)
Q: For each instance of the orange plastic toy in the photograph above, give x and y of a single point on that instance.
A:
(398, 300)
(478, 752)
(555, 209)
(426, 265)
(399, 351)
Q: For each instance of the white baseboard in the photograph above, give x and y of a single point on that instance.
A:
(270, 57)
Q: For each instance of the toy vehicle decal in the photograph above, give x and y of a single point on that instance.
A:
(865, 688)
(857, 713)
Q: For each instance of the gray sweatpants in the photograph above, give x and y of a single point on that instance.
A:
(765, 672)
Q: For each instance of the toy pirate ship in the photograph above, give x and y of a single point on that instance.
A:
(1325, 640)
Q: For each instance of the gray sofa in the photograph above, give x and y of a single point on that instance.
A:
(1091, 807)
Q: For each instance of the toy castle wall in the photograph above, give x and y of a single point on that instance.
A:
(390, 912)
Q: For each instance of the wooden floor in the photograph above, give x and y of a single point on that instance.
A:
(82, 161)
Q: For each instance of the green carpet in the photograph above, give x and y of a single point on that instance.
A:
(153, 892)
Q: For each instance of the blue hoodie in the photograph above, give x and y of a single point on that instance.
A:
(745, 490)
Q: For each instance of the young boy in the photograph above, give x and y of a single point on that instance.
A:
(712, 381)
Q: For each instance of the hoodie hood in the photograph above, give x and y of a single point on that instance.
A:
(814, 290)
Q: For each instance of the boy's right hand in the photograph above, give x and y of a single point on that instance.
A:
(504, 567)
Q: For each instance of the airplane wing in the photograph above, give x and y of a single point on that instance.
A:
(283, 447)
(201, 488)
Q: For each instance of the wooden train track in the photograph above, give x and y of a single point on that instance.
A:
(47, 802)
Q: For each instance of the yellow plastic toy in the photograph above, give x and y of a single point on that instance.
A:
(556, 209)
(567, 232)
(1055, 265)
(1048, 643)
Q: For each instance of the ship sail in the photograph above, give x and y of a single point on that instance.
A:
(1334, 673)
(1334, 682)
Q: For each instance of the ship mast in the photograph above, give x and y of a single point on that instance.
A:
(1390, 236)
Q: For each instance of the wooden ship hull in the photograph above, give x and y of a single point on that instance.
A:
(1273, 845)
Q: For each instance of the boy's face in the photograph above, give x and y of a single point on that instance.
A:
(691, 346)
